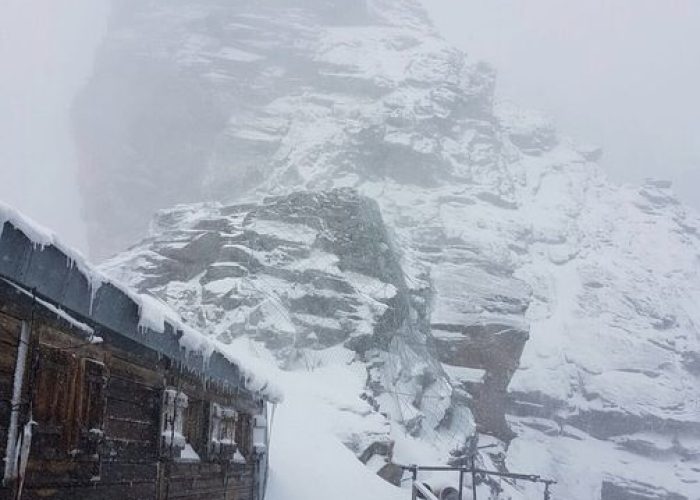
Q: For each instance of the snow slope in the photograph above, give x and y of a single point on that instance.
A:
(308, 461)
(562, 309)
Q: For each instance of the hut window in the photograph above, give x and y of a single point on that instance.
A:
(173, 415)
(222, 435)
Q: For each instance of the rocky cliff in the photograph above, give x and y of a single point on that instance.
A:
(313, 278)
(372, 201)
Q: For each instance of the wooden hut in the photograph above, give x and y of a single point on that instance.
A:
(98, 401)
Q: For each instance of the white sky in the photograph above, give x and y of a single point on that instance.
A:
(623, 74)
(46, 51)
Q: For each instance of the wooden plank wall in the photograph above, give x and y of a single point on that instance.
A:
(207, 481)
(129, 465)
(132, 417)
(126, 465)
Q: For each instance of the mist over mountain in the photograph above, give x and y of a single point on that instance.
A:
(337, 185)
(618, 74)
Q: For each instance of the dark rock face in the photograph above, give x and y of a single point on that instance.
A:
(495, 349)
(300, 248)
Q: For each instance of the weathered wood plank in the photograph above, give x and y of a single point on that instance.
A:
(200, 468)
(6, 389)
(78, 345)
(124, 389)
(116, 450)
(3, 441)
(129, 368)
(130, 429)
(199, 482)
(9, 329)
(8, 359)
(197, 490)
(5, 411)
(208, 481)
(140, 491)
(125, 472)
(9, 341)
(212, 494)
(8, 353)
(48, 445)
(137, 410)
(61, 473)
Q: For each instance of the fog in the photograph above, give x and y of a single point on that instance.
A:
(622, 74)
(46, 52)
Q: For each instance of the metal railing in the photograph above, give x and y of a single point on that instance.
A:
(421, 490)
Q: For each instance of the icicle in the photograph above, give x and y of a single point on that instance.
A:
(25, 449)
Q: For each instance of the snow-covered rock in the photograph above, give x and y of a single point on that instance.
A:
(314, 279)
(505, 253)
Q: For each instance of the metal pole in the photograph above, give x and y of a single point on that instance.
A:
(414, 471)
(461, 485)
(473, 477)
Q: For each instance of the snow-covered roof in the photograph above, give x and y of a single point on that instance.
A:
(35, 259)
